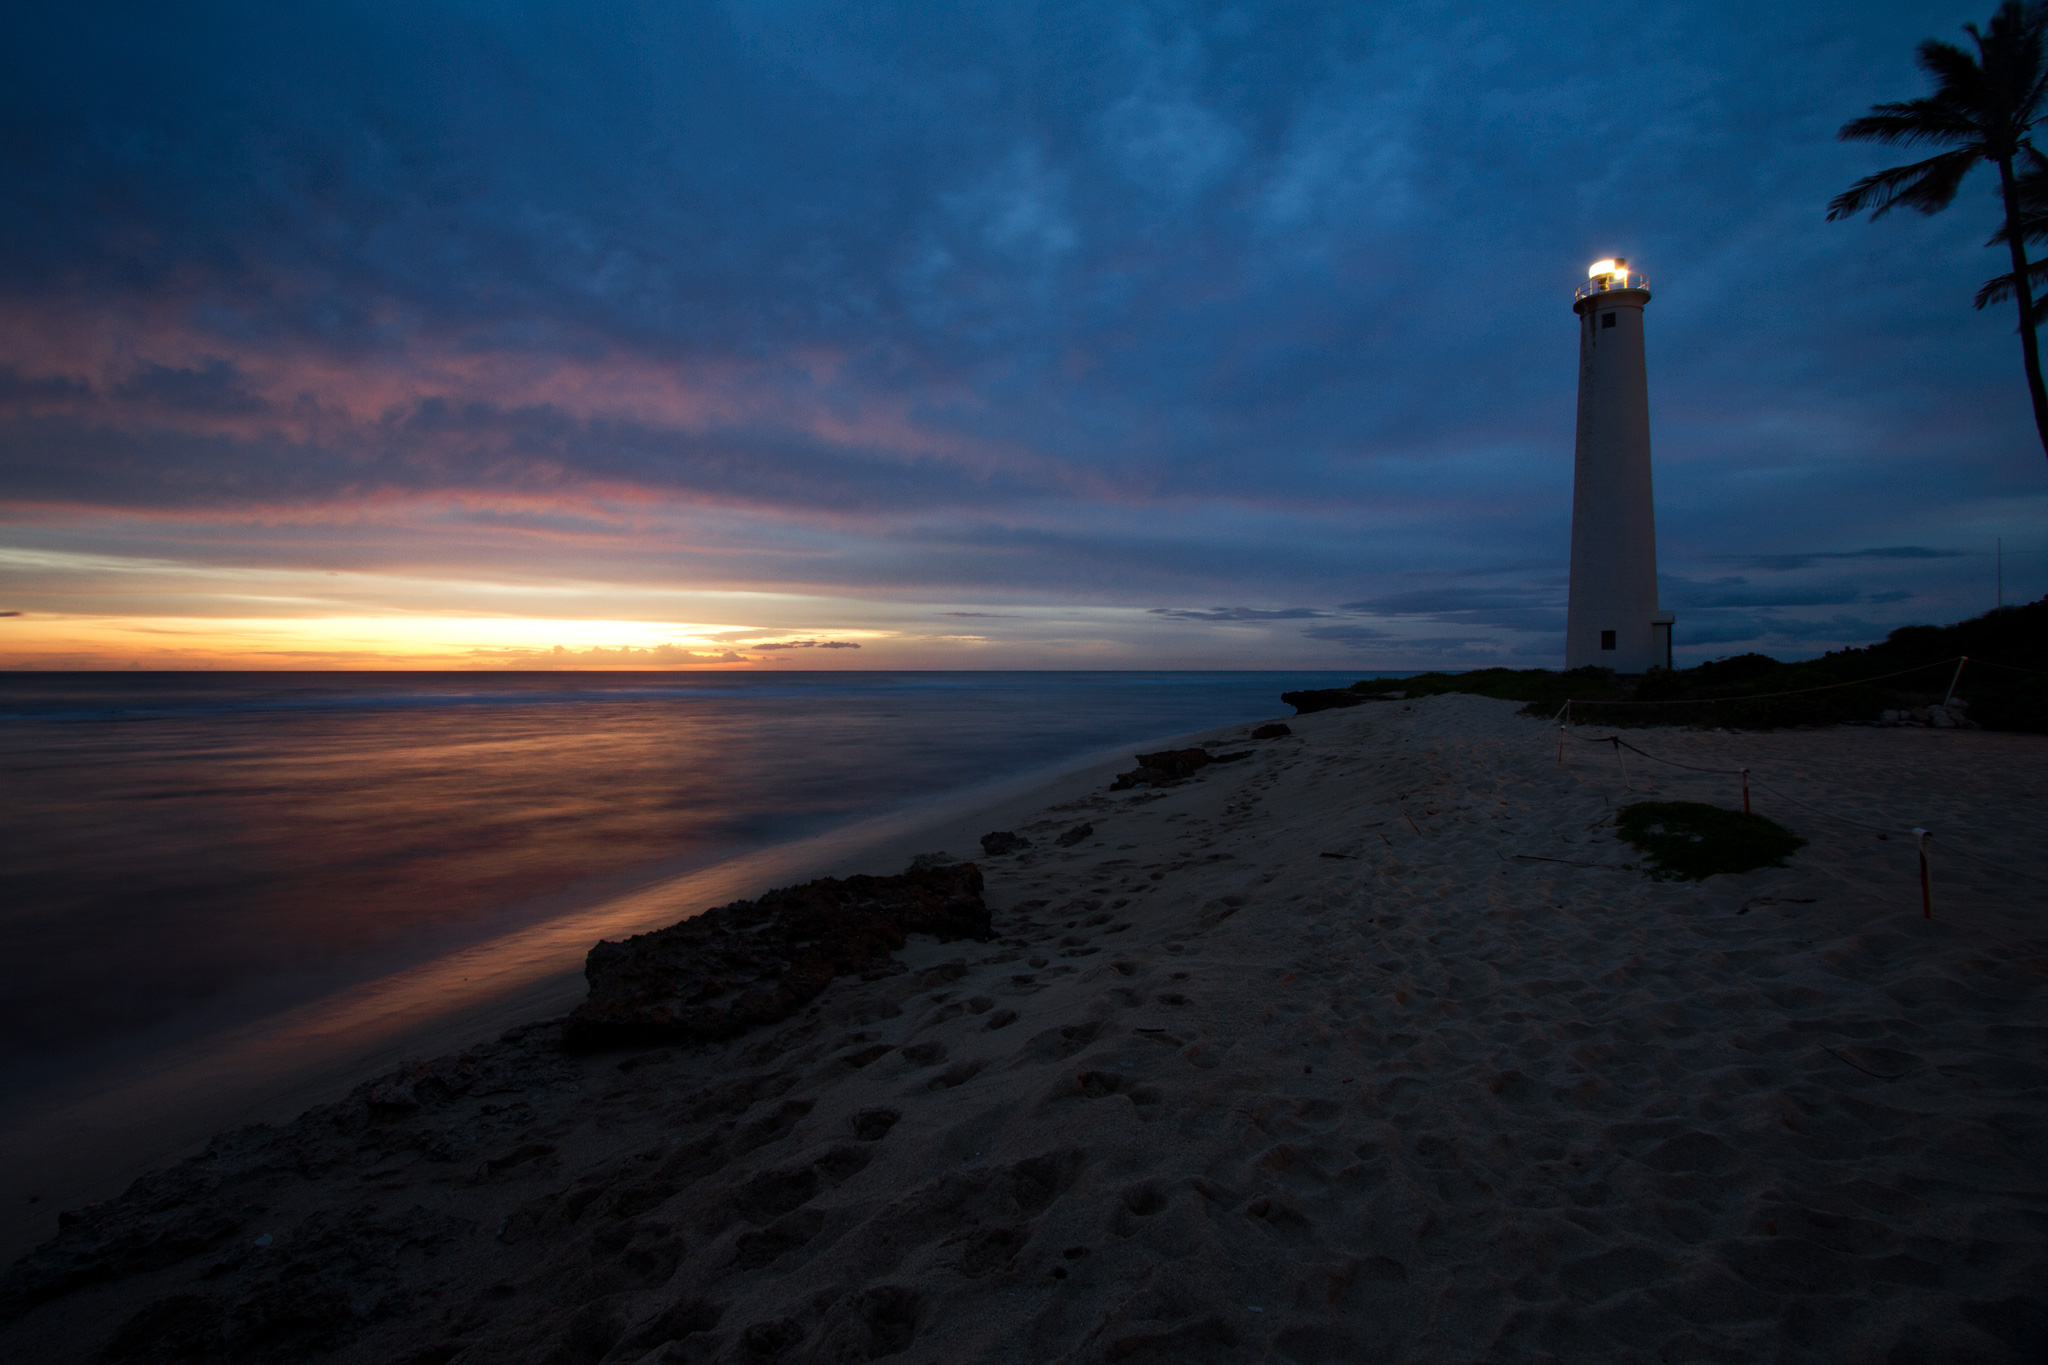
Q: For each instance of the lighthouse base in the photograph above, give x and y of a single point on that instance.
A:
(1632, 642)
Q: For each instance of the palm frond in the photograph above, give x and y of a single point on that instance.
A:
(2000, 289)
(2014, 77)
(1956, 73)
(2036, 23)
(2032, 203)
(2030, 79)
(1930, 119)
(1929, 186)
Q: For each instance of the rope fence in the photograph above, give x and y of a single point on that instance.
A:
(1920, 834)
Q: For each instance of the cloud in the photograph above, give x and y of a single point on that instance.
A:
(983, 615)
(1398, 650)
(1682, 596)
(18, 390)
(806, 644)
(1242, 614)
(1537, 608)
(1784, 563)
(1348, 634)
(214, 386)
(1763, 631)
(601, 656)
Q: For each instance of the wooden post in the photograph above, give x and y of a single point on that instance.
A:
(1926, 878)
(1745, 791)
(1956, 679)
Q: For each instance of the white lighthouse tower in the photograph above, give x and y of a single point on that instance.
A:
(1613, 620)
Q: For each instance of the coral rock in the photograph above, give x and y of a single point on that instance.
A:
(759, 961)
(1170, 765)
(1321, 699)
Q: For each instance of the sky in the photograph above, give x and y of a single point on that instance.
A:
(993, 335)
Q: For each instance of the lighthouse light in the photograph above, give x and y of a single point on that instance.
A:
(1608, 274)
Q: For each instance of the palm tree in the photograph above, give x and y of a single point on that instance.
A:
(2033, 185)
(1983, 109)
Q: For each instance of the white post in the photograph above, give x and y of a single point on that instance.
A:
(1613, 620)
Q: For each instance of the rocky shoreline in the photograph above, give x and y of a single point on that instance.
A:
(756, 962)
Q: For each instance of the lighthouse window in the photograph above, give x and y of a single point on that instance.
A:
(1607, 319)
(1607, 636)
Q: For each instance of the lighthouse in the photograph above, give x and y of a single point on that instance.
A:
(1613, 620)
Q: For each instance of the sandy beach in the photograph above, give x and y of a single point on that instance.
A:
(1373, 1045)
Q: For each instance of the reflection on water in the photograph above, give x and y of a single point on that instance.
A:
(187, 850)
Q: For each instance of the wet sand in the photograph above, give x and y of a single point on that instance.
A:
(1471, 1088)
(86, 1141)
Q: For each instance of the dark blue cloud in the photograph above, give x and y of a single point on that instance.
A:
(17, 389)
(1509, 606)
(1242, 614)
(1780, 563)
(1349, 636)
(215, 386)
(1833, 632)
(1694, 596)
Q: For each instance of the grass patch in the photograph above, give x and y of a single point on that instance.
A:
(1689, 841)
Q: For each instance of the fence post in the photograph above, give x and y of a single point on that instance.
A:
(1926, 878)
(1745, 791)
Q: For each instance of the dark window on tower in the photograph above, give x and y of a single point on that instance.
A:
(1607, 636)
(1607, 319)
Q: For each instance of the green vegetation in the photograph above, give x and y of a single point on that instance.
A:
(2005, 684)
(1690, 842)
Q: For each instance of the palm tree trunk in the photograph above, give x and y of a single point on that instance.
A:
(2030, 343)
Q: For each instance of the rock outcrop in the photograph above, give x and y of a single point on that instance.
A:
(759, 961)
(1321, 699)
(1952, 715)
(1170, 765)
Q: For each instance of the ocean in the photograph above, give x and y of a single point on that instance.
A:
(193, 851)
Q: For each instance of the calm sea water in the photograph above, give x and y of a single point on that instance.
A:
(187, 850)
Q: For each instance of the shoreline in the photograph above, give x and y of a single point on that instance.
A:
(87, 1141)
(1293, 1060)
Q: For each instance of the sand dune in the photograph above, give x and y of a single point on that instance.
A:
(1214, 1095)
